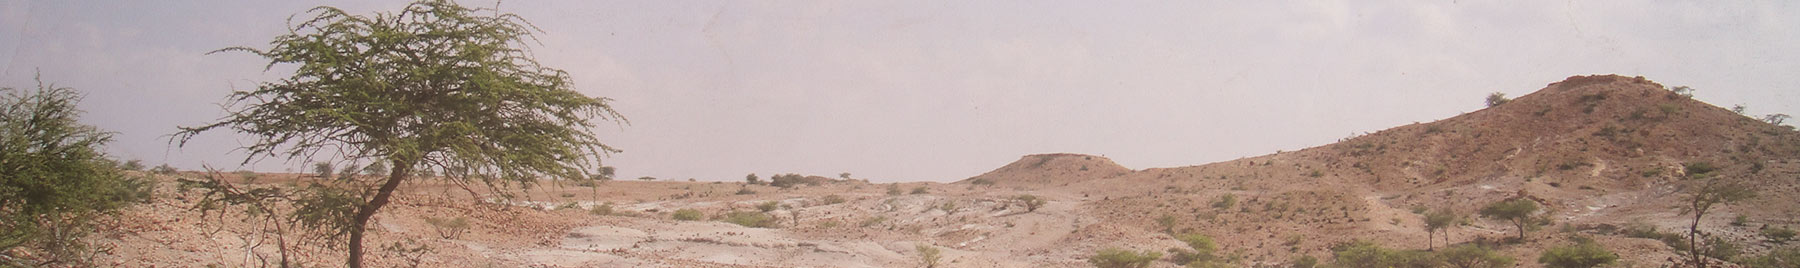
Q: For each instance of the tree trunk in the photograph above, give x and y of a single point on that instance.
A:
(1694, 240)
(367, 211)
(1430, 237)
(1521, 224)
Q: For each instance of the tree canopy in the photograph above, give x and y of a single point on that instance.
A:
(435, 86)
(1517, 210)
(54, 178)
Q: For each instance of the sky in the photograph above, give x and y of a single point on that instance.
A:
(946, 90)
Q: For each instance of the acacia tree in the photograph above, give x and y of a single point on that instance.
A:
(1709, 192)
(1517, 210)
(435, 86)
(1435, 221)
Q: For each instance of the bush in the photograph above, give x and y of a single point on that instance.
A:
(1120, 258)
(1031, 202)
(745, 191)
(448, 228)
(1365, 254)
(872, 221)
(749, 219)
(1496, 99)
(1199, 253)
(603, 209)
(55, 178)
(687, 214)
(1776, 258)
(981, 181)
(1305, 261)
(894, 189)
(1225, 202)
(928, 255)
(766, 207)
(1779, 235)
(133, 165)
(833, 199)
(920, 190)
(1474, 256)
(1583, 254)
(164, 169)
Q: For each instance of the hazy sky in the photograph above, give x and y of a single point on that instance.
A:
(944, 90)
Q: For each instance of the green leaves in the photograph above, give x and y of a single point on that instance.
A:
(54, 177)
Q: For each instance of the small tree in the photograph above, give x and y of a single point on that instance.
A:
(1776, 119)
(845, 175)
(323, 169)
(433, 86)
(1496, 99)
(1584, 254)
(1709, 192)
(1435, 221)
(1517, 210)
(752, 180)
(646, 178)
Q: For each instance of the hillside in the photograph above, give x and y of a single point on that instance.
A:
(1598, 152)
(1602, 154)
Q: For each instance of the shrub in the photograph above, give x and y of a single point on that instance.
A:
(1496, 99)
(646, 178)
(687, 214)
(133, 165)
(752, 180)
(1225, 202)
(833, 199)
(1779, 235)
(766, 207)
(1120, 258)
(323, 169)
(750, 219)
(1305, 261)
(928, 255)
(1474, 256)
(745, 191)
(1365, 254)
(1031, 202)
(55, 178)
(920, 190)
(164, 169)
(603, 209)
(1199, 253)
(981, 181)
(1698, 169)
(1583, 254)
(448, 228)
(1775, 258)
(872, 221)
(894, 189)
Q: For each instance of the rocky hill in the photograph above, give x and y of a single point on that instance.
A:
(1041, 170)
(1598, 152)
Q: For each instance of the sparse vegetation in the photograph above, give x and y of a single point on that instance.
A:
(833, 199)
(1518, 211)
(872, 221)
(894, 189)
(752, 180)
(920, 190)
(1200, 251)
(604, 209)
(687, 214)
(1121, 258)
(766, 207)
(749, 219)
(1584, 254)
(1474, 256)
(1776, 258)
(448, 228)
